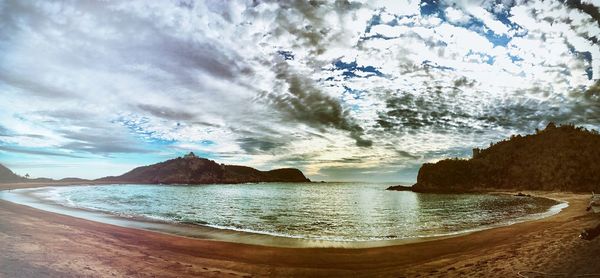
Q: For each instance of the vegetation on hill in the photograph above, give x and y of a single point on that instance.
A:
(565, 158)
(6, 175)
(189, 169)
(195, 170)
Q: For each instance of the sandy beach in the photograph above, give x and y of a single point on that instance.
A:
(37, 243)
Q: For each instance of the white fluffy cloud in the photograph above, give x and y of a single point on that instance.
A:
(456, 16)
(325, 87)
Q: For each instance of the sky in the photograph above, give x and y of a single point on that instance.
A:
(344, 90)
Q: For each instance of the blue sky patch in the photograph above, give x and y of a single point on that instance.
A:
(350, 69)
(286, 55)
(431, 7)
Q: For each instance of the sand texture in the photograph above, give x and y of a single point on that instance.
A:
(37, 243)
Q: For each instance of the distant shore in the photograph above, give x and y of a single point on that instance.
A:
(40, 243)
(22, 185)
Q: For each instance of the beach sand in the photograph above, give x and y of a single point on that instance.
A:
(37, 243)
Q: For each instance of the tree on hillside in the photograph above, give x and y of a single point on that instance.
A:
(562, 157)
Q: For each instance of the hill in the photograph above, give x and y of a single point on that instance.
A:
(191, 169)
(565, 158)
(6, 175)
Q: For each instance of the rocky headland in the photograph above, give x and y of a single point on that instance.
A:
(558, 158)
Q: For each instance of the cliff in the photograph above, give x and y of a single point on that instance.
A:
(565, 158)
(195, 170)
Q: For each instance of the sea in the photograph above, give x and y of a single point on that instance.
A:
(344, 211)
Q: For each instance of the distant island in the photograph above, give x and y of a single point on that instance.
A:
(559, 158)
(189, 169)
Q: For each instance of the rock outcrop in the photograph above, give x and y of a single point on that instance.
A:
(564, 158)
(400, 188)
(191, 169)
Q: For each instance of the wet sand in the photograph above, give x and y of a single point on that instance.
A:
(37, 243)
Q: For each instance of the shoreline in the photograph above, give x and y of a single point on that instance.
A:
(40, 243)
(28, 197)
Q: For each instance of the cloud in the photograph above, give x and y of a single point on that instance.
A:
(4, 131)
(166, 112)
(253, 145)
(589, 7)
(36, 152)
(33, 87)
(98, 142)
(399, 7)
(304, 103)
(488, 19)
(317, 85)
(456, 16)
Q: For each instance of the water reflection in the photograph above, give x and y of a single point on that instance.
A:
(331, 211)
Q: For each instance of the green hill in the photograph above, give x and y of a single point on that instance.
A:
(6, 175)
(565, 158)
(196, 170)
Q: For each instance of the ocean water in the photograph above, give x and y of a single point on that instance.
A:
(316, 211)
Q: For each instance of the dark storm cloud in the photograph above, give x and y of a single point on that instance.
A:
(409, 112)
(463, 81)
(526, 114)
(305, 103)
(593, 92)
(587, 8)
(255, 146)
(35, 152)
(442, 111)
